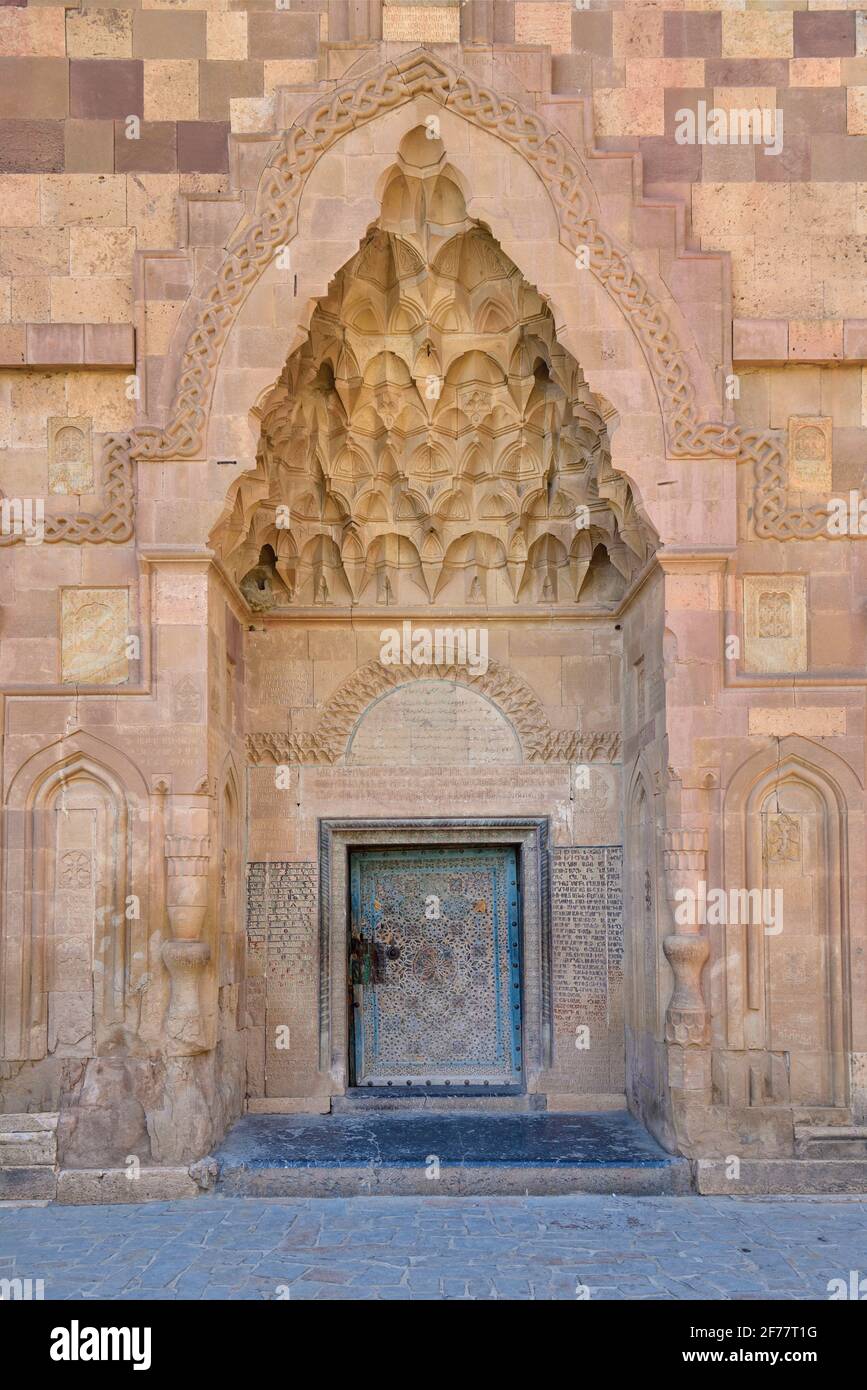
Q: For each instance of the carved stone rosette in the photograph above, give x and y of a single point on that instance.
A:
(186, 956)
(685, 863)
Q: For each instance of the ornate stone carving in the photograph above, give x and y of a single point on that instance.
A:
(431, 439)
(540, 743)
(70, 455)
(774, 614)
(94, 625)
(685, 864)
(274, 223)
(186, 956)
(810, 453)
(782, 838)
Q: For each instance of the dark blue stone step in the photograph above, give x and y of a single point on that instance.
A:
(438, 1153)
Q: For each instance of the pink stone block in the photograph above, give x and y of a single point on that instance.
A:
(109, 344)
(55, 344)
(815, 340)
(12, 345)
(760, 340)
(855, 340)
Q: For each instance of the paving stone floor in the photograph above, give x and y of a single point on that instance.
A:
(439, 1248)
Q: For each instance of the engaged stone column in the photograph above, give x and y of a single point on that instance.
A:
(686, 1018)
(185, 957)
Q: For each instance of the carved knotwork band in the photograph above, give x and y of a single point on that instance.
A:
(540, 743)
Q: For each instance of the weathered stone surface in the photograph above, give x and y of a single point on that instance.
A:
(28, 1184)
(84, 1186)
(94, 628)
(775, 622)
(70, 455)
(776, 1177)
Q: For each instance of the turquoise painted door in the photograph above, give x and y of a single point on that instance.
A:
(435, 967)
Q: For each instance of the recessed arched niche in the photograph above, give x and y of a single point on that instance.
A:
(433, 415)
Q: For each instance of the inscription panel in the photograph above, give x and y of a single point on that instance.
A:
(273, 822)
(281, 946)
(433, 722)
(404, 21)
(587, 966)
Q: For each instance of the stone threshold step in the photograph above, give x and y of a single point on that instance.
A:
(440, 1098)
(781, 1177)
(667, 1178)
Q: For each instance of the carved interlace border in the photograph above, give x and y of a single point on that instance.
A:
(115, 519)
(275, 222)
(539, 742)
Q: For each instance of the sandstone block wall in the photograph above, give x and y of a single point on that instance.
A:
(720, 333)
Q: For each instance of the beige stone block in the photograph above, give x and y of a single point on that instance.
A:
(171, 90)
(856, 110)
(816, 721)
(544, 23)
(289, 72)
(19, 198)
(153, 210)
(636, 35)
(94, 626)
(665, 72)
(817, 206)
(32, 33)
(421, 23)
(841, 396)
(34, 251)
(740, 208)
(84, 200)
(629, 111)
(83, 1186)
(32, 397)
(779, 284)
(180, 598)
(816, 341)
(794, 391)
(227, 35)
(91, 301)
(98, 33)
(252, 115)
(757, 34)
(101, 251)
(810, 453)
(31, 299)
(762, 99)
(814, 72)
(70, 455)
(160, 320)
(102, 396)
(775, 623)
